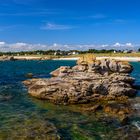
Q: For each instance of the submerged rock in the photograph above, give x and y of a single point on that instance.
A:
(127, 132)
(5, 97)
(29, 75)
(121, 110)
(34, 129)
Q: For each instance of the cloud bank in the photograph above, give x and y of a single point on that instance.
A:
(21, 46)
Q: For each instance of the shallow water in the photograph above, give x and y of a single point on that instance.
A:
(21, 115)
(136, 73)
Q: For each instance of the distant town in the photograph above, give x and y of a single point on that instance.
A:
(68, 53)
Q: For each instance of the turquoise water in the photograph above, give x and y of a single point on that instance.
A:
(136, 73)
(21, 115)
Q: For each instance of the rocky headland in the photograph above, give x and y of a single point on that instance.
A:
(98, 84)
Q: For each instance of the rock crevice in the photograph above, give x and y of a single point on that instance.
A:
(86, 82)
(104, 84)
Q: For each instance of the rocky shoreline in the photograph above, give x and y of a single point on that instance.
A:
(97, 84)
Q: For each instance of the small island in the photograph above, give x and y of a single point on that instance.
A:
(97, 84)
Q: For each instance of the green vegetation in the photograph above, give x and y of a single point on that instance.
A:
(38, 52)
(73, 53)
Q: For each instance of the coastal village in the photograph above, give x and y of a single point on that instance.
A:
(129, 55)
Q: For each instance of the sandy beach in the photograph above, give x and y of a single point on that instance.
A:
(130, 59)
(27, 57)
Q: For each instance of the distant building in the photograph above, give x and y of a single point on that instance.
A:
(73, 53)
(127, 51)
(57, 53)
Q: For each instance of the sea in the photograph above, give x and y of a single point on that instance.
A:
(22, 117)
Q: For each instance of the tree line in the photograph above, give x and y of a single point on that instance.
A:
(59, 52)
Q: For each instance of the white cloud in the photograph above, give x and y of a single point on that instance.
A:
(117, 44)
(129, 44)
(123, 45)
(2, 43)
(55, 44)
(21, 46)
(105, 45)
(52, 26)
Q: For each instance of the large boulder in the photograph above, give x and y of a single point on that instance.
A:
(113, 66)
(55, 73)
(88, 81)
(95, 66)
(79, 87)
(79, 68)
(125, 67)
(119, 110)
(86, 59)
(62, 71)
(103, 66)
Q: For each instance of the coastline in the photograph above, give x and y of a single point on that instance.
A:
(105, 87)
(130, 59)
(76, 115)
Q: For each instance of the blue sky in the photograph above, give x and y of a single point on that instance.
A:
(96, 22)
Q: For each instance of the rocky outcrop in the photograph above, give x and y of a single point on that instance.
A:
(29, 75)
(85, 82)
(86, 59)
(90, 81)
(7, 58)
(121, 110)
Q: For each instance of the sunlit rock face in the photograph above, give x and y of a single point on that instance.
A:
(105, 84)
(86, 82)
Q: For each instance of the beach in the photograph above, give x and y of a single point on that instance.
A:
(130, 59)
(121, 58)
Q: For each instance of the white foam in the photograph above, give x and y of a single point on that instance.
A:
(137, 106)
(137, 124)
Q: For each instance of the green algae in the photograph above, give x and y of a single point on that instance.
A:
(25, 118)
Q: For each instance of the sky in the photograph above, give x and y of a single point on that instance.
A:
(69, 24)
